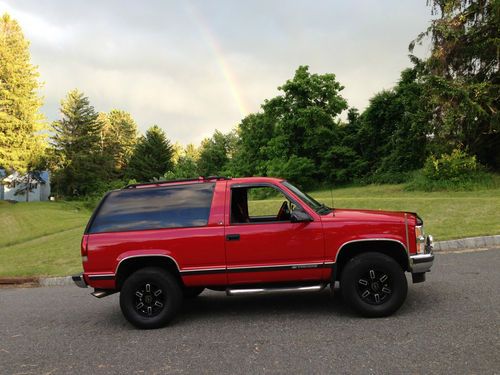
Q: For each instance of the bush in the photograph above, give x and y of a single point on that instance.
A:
(455, 171)
(456, 166)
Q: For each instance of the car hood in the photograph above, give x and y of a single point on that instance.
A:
(364, 215)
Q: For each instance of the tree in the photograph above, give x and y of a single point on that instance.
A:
(152, 156)
(21, 141)
(76, 142)
(118, 139)
(216, 153)
(461, 76)
(294, 131)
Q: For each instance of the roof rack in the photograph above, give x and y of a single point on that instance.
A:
(201, 178)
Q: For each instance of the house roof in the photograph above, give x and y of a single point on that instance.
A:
(41, 177)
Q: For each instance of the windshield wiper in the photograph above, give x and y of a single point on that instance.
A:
(325, 208)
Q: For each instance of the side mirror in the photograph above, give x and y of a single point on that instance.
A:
(299, 216)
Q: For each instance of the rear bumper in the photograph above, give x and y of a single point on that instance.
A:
(79, 280)
(421, 263)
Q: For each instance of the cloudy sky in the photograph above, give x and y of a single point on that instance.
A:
(195, 66)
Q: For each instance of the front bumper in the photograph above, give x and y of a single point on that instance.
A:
(79, 280)
(421, 263)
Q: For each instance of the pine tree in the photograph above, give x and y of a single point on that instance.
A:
(118, 140)
(152, 156)
(20, 120)
(76, 142)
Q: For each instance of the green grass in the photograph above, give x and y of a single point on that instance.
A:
(43, 238)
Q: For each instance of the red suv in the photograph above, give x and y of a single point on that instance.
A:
(158, 243)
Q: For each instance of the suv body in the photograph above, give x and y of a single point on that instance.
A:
(159, 242)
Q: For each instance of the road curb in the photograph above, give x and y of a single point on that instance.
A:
(467, 243)
(55, 281)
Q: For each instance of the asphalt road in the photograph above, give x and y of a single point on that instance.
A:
(448, 325)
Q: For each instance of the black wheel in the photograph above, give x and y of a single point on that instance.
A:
(373, 284)
(192, 292)
(150, 298)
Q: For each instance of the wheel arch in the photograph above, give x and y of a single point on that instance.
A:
(392, 248)
(132, 263)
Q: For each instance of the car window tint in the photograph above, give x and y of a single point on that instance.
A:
(154, 208)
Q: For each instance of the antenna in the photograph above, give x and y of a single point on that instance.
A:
(331, 195)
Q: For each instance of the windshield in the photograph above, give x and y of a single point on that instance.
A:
(320, 208)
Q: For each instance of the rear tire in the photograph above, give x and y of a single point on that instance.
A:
(373, 284)
(150, 298)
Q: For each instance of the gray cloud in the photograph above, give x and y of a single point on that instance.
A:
(155, 60)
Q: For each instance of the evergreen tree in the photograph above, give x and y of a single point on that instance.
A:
(152, 156)
(20, 121)
(118, 139)
(76, 142)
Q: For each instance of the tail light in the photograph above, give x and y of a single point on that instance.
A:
(84, 247)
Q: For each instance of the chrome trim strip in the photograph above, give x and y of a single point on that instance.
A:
(368, 240)
(145, 255)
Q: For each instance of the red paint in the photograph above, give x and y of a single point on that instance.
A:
(201, 253)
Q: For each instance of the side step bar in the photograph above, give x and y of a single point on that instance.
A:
(239, 291)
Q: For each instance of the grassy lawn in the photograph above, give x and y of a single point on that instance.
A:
(44, 238)
(41, 238)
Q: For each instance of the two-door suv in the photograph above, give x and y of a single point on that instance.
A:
(160, 242)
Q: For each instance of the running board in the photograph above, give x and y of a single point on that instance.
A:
(311, 288)
(101, 293)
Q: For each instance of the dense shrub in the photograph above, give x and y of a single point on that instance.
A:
(456, 166)
(455, 171)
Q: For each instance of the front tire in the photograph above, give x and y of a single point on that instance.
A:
(150, 298)
(373, 284)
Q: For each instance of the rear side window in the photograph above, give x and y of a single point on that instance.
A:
(154, 208)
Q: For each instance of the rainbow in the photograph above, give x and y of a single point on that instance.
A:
(216, 48)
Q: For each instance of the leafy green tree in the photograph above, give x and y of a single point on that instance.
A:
(305, 116)
(461, 76)
(21, 142)
(216, 153)
(392, 132)
(152, 156)
(251, 154)
(76, 138)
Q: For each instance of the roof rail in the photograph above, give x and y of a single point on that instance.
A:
(201, 178)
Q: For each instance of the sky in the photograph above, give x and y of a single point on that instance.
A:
(195, 66)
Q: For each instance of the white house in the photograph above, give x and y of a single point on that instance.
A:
(16, 186)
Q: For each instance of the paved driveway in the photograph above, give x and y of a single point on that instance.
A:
(449, 325)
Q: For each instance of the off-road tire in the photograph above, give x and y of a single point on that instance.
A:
(369, 275)
(164, 290)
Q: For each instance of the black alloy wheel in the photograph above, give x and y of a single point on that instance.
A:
(373, 284)
(149, 300)
(150, 297)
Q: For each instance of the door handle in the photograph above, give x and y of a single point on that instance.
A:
(233, 237)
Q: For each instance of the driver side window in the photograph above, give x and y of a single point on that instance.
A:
(259, 204)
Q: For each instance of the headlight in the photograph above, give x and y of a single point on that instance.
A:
(420, 238)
